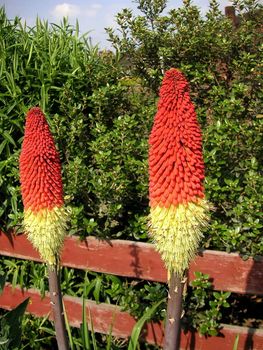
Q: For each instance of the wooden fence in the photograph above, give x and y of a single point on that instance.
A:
(138, 260)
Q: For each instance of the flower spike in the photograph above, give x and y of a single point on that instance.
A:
(45, 216)
(178, 208)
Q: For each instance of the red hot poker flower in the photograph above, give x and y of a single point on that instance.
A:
(175, 158)
(41, 186)
(176, 169)
(40, 172)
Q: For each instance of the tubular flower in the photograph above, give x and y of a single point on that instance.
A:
(178, 208)
(41, 185)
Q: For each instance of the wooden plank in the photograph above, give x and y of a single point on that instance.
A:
(249, 338)
(105, 316)
(228, 272)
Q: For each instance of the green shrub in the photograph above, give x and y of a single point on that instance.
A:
(101, 113)
(100, 106)
(11, 327)
(100, 121)
(222, 64)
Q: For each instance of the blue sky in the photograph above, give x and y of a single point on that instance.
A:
(93, 15)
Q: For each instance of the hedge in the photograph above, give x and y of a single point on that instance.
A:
(100, 106)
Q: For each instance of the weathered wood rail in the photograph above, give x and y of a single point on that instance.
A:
(228, 272)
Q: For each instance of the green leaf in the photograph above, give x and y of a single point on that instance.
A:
(9, 138)
(14, 279)
(226, 295)
(30, 54)
(84, 326)
(139, 325)
(109, 338)
(217, 295)
(97, 289)
(14, 318)
(2, 282)
(94, 342)
(2, 146)
(70, 337)
(213, 332)
(235, 347)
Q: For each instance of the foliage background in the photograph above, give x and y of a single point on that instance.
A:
(100, 106)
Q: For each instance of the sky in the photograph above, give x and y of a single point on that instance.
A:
(93, 15)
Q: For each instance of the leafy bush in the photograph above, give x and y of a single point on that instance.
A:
(222, 63)
(204, 307)
(100, 106)
(11, 326)
(100, 121)
(101, 112)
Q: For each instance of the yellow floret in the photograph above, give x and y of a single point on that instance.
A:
(46, 230)
(177, 231)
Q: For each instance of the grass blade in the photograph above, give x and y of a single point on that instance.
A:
(2, 282)
(30, 54)
(235, 347)
(84, 326)
(109, 336)
(139, 325)
(94, 342)
(9, 138)
(70, 338)
(97, 289)
(2, 145)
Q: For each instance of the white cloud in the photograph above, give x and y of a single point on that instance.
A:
(92, 10)
(66, 10)
(70, 10)
(96, 6)
(93, 16)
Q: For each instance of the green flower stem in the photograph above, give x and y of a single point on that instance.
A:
(174, 312)
(57, 307)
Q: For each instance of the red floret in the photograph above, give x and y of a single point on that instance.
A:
(176, 165)
(40, 172)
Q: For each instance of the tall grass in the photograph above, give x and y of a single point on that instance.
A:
(36, 66)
